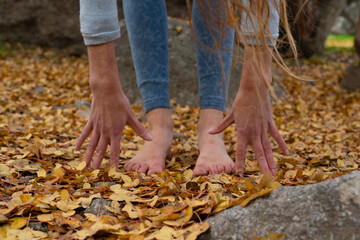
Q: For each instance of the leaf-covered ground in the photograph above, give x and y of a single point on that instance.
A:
(45, 97)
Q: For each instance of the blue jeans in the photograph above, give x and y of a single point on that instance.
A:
(146, 22)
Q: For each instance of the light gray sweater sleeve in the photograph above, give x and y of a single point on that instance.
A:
(99, 21)
(250, 30)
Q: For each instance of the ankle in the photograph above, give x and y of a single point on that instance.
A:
(208, 118)
(160, 119)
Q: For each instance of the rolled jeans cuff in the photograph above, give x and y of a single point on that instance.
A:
(213, 102)
(155, 94)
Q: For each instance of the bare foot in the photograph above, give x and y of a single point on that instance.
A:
(213, 157)
(151, 158)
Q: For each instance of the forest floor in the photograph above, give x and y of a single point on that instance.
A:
(45, 188)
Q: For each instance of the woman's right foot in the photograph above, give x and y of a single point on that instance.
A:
(213, 158)
(151, 158)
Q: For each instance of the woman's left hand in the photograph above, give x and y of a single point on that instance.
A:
(253, 121)
(252, 114)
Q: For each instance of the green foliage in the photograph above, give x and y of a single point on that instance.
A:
(340, 43)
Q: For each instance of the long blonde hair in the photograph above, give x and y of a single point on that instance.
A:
(258, 13)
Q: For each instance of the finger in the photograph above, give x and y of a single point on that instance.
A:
(278, 138)
(260, 155)
(83, 136)
(115, 152)
(100, 152)
(268, 154)
(91, 147)
(139, 128)
(240, 156)
(227, 121)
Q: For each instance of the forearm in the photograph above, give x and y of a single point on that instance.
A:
(103, 68)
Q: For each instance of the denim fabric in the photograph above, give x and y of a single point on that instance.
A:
(214, 42)
(146, 21)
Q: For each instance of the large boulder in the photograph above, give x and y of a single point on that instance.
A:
(49, 23)
(311, 22)
(346, 22)
(53, 23)
(322, 211)
(183, 67)
(351, 79)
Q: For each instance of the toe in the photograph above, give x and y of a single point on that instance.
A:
(214, 170)
(199, 171)
(155, 168)
(221, 168)
(128, 166)
(143, 168)
(136, 167)
(228, 168)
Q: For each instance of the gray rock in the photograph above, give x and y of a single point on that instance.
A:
(54, 23)
(97, 207)
(51, 23)
(351, 79)
(326, 210)
(183, 68)
(105, 183)
(178, 135)
(346, 22)
(82, 103)
(37, 90)
(38, 226)
(84, 113)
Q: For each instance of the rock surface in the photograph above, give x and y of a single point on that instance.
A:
(54, 23)
(50, 23)
(351, 79)
(97, 207)
(183, 67)
(346, 22)
(326, 210)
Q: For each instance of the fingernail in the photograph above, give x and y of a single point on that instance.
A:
(149, 136)
(273, 171)
(210, 130)
(241, 174)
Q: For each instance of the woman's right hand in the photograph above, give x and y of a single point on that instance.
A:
(110, 109)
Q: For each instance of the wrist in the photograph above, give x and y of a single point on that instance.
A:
(256, 73)
(105, 84)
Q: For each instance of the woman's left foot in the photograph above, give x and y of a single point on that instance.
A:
(213, 157)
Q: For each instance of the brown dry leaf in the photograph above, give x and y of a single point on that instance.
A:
(45, 217)
(18, 222)
(44, 179)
